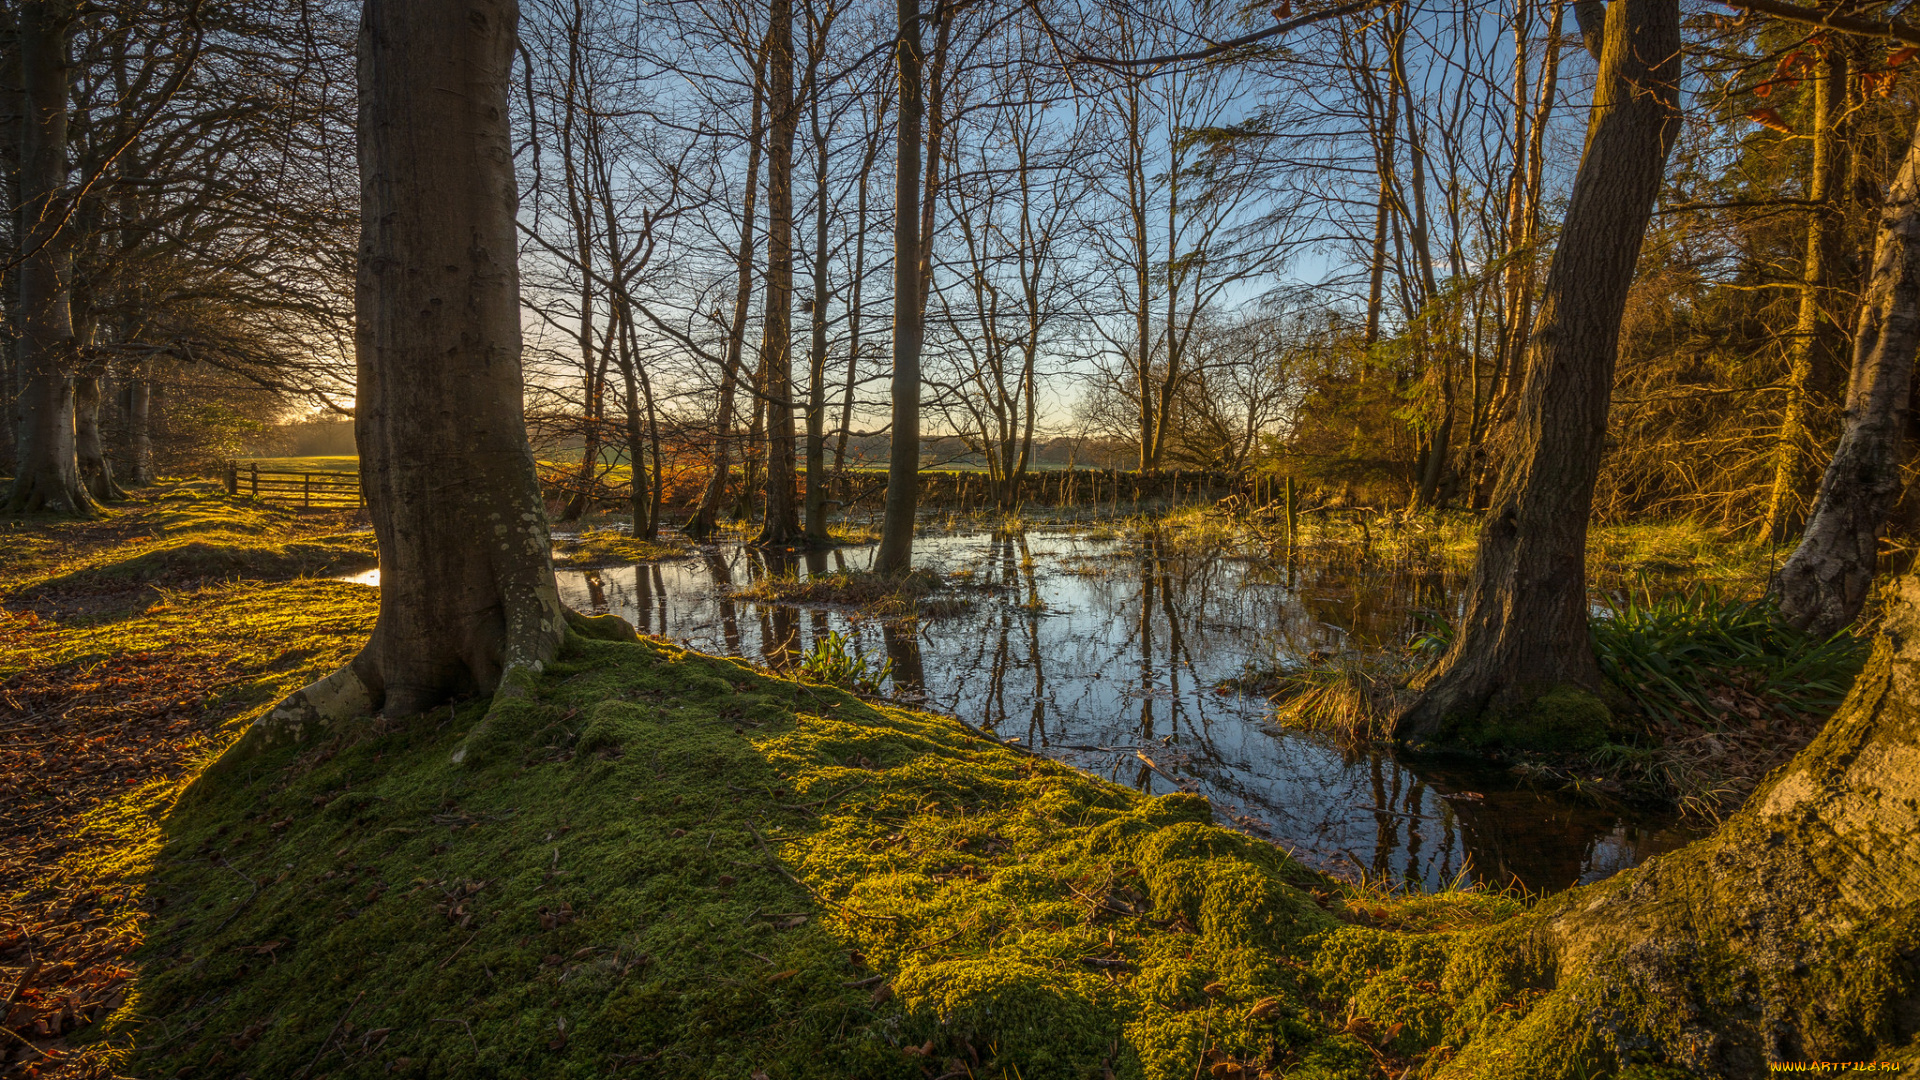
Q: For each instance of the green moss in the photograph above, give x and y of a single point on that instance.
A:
(214, 559)
(183, 536)
(672, 859)
(1561, 720)
(612, 547)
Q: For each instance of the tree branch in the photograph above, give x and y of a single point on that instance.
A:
(1852, 24)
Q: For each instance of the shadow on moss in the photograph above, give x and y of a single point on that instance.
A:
(676, 866)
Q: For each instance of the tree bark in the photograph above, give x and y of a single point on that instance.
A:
(1524, 634)
(903, 459)
(468, 603)
(140, 426)
(1825, 581)
(96, 472)
(782, 526)
(1789, 935)
(47, 479)
(817, 487)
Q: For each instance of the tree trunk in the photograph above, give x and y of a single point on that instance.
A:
(1811, 354)
(903, 460)
(140, 426)
(468, 603)
(1521, 658)
(1825, 582)
(47, 479)
(782, 526)
(706, 517)
(641, 526)
(816, 513)
(96, 472)
(853, 329)
(1789, 935)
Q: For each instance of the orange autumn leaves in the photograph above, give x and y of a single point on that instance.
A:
(1794, 66)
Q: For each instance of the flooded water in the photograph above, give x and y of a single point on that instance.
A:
(1105, 653)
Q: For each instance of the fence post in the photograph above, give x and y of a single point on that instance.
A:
(1292, 519)
(233, 478)
(306, 491)
(254, 471)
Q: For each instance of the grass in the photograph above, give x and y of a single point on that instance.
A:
(917, 594)
(613, 547)
(1709, 693)
(346, 463)
(115, 688)
(183, 535)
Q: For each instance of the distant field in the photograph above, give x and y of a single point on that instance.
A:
(338, 463)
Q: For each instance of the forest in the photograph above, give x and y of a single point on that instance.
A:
(963, 539)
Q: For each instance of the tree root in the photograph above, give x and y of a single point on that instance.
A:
(1789, 935)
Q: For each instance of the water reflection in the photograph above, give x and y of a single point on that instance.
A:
(1104, 652)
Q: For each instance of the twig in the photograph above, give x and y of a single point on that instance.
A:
(243, 904)
(810, 891)
(458, 951)
(1206, 1043)
(464, 1024)
(318, 1054)
(25, 1043)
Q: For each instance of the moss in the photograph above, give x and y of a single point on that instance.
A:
(674, 860)
(195, 560)
(182, 536)
(612, 547)
(1562, 719)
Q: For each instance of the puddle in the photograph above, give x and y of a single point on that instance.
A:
(1104, 654)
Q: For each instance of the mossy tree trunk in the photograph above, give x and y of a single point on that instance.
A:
(47, 476)
(467, 593)
(1791, 934)
(1524, 634)
(1825, 581)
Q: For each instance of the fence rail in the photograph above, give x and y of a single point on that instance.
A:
(308, 489)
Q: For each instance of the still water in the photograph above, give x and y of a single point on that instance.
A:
(1105, 652)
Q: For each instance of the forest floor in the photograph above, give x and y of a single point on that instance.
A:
(665, 864)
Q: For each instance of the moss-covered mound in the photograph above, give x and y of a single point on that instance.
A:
(613, 547)
(186, 535)
(671, 865)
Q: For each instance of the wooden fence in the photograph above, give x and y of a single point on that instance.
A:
(332, 490)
